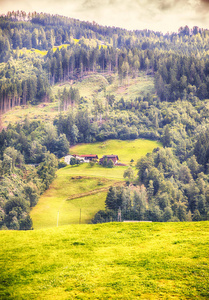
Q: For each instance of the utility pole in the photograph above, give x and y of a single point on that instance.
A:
(119, 215)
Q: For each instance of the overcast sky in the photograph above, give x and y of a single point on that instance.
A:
(157, 15)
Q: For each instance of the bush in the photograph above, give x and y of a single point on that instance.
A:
(62, 164)
(26, 224)
(104, 216)
(110, 164)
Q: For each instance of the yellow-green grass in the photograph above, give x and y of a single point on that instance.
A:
(106, 261)
(84, 169)
(44, 52)
(44, 112)
(126, 150)
(60, 47)
(76, 41)
(32, 51)
(90, 86)
(131, 88)
(69, 193)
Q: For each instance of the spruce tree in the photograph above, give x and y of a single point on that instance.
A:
(111, 199)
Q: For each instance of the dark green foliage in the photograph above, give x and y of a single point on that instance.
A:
(111, 201)
(166, 137)
(15, 204)
(110, 164)
(104, 216)
(201, 149)
(73, 161)
(61, 164)
(47, 169)
(178, 74)
(168, 190)
(21, 184)
(128, 173)
(31, 193)
(26, 224)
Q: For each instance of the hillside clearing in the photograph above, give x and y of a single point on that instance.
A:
(86, 186)
(107, 261)
(92, 87)
(68, 195)
(126, 150)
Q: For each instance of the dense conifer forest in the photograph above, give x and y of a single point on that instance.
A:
(172, 182)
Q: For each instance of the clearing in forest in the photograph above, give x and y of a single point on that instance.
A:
(79, 192)
(126, 150)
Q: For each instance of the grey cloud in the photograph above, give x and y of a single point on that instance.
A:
(131, 14)
(205, 2)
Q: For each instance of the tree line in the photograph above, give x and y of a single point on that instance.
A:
(179, 61)
(164, 191)
(28, 164)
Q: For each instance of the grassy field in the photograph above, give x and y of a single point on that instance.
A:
(106, 261)
(126, 150)
(76, 191)
(44, 111)
(98, 171)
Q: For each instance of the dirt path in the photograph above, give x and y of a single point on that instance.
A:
(76, 196)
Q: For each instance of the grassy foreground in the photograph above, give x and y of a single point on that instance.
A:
(106, 261)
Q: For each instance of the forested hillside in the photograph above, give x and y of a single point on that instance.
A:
(177, 61)
(39, 52)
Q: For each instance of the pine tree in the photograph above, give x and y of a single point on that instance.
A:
(111, 199)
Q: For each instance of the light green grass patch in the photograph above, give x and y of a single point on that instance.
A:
(76, 41)
(84, 169)
(32, 51)
(43, 111)
(107, 261)
(67, 195)
(131, 88)
(51, 211)
(91, 85)
(126, 150)
(60, 47)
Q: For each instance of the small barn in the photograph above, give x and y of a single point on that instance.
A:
(112, 157)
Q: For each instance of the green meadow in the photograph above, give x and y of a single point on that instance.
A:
(126, 150)
(76, 198)
(106, 261)
(77, 193)
(44, 111)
